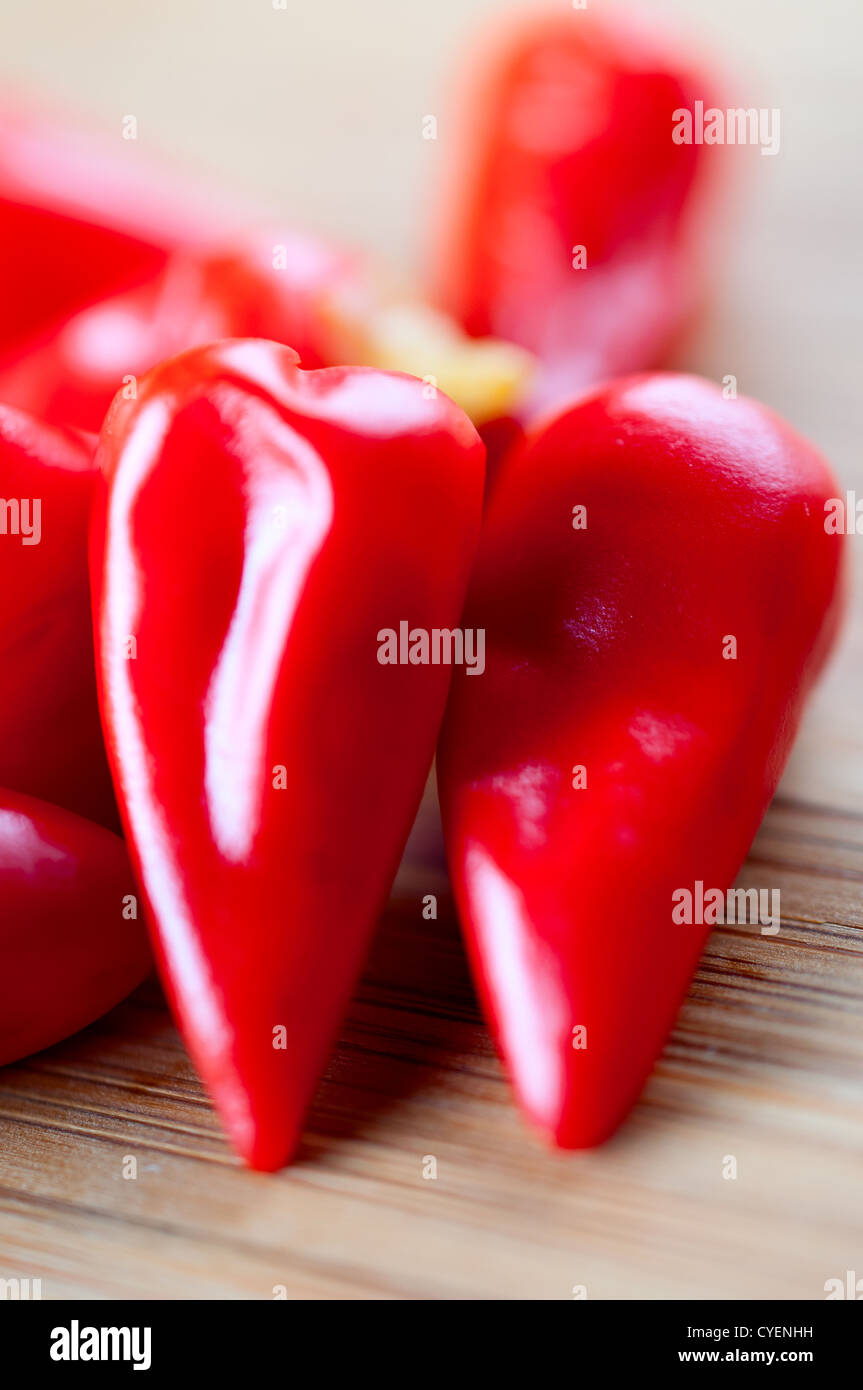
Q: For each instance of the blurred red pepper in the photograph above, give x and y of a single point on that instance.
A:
(83, 217)
(261, 526)
(51, 745)
(567, 219)
(658, 592)
(267, 285)
(109, 267)
(71, 943)
(71, 375)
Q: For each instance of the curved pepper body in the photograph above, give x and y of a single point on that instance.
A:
(51, 745)
(261, 525)
(647, 662)
(70, 949)
(569, 218)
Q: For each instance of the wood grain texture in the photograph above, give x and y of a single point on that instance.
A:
(766, 1060)
(766, 1063)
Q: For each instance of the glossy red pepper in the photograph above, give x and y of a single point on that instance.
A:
(261, 526)
(52, 743)
(647, 660)
(569, 218)
(72, 944)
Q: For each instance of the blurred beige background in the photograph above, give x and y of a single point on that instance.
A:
(316, 110)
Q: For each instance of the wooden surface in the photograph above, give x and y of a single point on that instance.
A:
(766, 1064)
(766, 1061)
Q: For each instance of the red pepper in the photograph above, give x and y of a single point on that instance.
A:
(567, 222)
(262, 526)
(52, 739)
(71, 942)
(658, 591)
